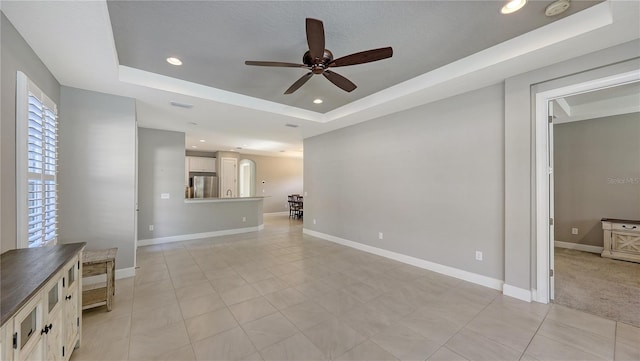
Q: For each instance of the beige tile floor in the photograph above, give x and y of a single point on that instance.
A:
(279, 295)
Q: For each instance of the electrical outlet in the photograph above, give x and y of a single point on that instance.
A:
(244, 219)
(380, 235)
(305, 194)
(151, 227)
(165, 196)
(478, 255)
(314, 221)
(574, 231)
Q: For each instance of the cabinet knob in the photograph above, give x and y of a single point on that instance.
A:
(50, 326)
(68, 297)
(45, 330)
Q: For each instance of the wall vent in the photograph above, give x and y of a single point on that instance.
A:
(181, 105)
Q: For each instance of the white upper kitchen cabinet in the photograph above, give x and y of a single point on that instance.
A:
(201, 164)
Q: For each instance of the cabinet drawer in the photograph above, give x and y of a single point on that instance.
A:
(628, 227)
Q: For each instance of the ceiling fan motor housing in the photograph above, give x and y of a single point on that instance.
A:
(317, 65)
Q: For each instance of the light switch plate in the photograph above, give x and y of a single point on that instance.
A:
(165, 196)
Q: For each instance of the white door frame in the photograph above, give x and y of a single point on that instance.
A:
(543, 241)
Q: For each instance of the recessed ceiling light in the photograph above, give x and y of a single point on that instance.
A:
(193, 146)
(291, 125)
(317, 101)
(193, 123)
(512, 6)
(201, 140)
(245, 145)
(174, 61)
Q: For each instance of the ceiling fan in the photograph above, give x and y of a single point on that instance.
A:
(318, 59)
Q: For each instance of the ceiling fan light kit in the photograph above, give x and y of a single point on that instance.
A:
(318, 60)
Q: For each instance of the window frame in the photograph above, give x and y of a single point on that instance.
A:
(25, 87)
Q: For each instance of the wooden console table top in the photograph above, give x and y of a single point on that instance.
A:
(25, 271)
(614, 220)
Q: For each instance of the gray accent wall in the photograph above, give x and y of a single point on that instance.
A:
(276, 178)
(161, 170)
(596, 175)
(431, 179)
(97, 171)
(520, 150)
(15, 55)
(350, 173)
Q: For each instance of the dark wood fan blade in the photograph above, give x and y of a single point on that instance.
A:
(274, 63)
(340, 81)
(315, 38)
(363, 57)
(299, 83)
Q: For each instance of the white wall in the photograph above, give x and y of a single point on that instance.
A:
(281, 177)
(97, 168)
(15, 54)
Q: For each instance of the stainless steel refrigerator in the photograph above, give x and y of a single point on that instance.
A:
(205, 186)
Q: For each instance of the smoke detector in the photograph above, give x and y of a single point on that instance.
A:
(557, 7)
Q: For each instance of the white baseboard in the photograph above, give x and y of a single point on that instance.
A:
(435, 267)
(285, 213)
(579, 247)
(120, 273)
(188, 237)
(516, 292)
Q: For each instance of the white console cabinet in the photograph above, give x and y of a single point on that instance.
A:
(621, 239)
(41, 317)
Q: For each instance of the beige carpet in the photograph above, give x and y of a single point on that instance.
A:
(601, 286)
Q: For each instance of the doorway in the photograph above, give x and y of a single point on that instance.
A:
(228, 182)
(547, 103)
(247, 178)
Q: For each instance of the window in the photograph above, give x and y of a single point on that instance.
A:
(36, 165)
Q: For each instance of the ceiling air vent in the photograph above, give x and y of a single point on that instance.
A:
(181, 105)
(291, 125)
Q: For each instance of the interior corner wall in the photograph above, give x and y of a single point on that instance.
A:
(276, 178)
(596, 175)
(97, 165)
(161, 170)
(520, 184)
(429, 178)
(15, 55)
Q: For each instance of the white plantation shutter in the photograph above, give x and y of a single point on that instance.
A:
(36, 164)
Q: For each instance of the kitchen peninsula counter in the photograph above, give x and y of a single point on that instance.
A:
(196, 218)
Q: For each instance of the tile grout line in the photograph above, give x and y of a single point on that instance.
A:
(535, 333)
